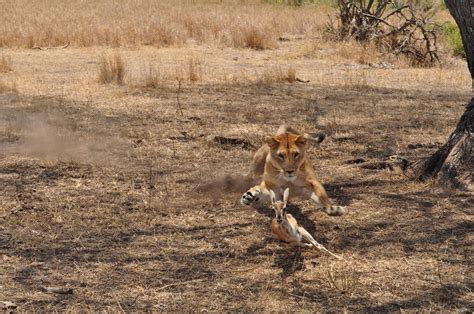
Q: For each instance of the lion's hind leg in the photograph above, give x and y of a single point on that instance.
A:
(321, 199)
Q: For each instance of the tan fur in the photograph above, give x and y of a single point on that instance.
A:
(282, 163)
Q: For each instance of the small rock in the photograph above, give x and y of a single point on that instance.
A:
(7, 305)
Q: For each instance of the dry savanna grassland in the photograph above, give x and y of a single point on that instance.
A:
(125, 127)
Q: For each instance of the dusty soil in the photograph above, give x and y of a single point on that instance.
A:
(111, 191)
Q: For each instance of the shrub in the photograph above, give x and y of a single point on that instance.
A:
(395, 26)
(275, 75)
(111, 69)
(258, 39)
(452, 36)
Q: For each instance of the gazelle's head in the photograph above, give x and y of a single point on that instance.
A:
(279, 207)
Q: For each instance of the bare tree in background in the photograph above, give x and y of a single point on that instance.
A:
(452, 166)
(395, 26)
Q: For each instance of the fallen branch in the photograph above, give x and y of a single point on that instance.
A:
(221, 140)
(47, 48)
(58, 290)
(301, 81)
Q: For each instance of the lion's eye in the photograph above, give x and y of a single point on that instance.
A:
(281, 156)
(297, 155)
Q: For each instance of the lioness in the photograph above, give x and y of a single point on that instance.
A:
(282, 163)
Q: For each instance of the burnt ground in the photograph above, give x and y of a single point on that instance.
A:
(138, 209)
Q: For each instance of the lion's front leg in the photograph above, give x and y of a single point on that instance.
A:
(254, 194)
(319, 196)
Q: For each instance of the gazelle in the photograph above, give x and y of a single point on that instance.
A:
(286, 228)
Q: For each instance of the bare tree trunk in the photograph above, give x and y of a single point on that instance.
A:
(452, 166)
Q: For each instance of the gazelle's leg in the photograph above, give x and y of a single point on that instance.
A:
(319, 196)
(303, 244)
(255, 194)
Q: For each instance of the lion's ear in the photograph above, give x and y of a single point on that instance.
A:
(272, 141)
(301, 140)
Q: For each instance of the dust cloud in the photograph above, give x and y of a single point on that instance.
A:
(51, 137)
(228, 184)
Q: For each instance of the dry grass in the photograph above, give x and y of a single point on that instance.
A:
(112, 69)
(122, 193)
(6, 64)
(274, 75)
(344, 280)
(361, 53)
(151, 77)
(257, 38)
(158, 23)
(194, 70)
(159, 75)
(8, 86)
(137, 228)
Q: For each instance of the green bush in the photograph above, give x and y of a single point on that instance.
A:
(429, 4)
(452, 36)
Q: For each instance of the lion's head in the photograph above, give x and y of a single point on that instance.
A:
(287, 153)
